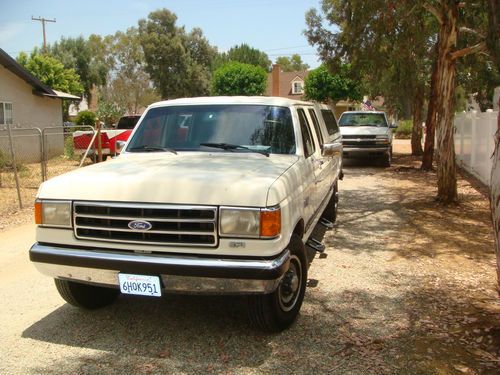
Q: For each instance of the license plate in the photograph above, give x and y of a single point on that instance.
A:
(139, 285)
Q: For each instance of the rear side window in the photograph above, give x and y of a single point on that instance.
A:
(314, 118)
(330, 122)
(127, 122)
(306, 134)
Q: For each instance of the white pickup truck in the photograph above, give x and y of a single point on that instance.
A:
(210, 195)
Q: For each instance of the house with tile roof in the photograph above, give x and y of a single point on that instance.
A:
(291, 85)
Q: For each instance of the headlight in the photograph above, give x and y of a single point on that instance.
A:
(53, 213)
(382, 139)
(250, 222)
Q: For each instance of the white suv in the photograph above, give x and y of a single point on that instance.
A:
(366, 134)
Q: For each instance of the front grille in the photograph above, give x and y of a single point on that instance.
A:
(359, 144)
(170, 225)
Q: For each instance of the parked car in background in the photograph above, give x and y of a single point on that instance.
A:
(215, 195)
(109, 137)
(366, 134)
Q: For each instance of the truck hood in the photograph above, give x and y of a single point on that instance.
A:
(363, 130)
(240, 179)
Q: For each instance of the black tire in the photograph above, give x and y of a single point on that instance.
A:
(85, 296)
(330, 212)
(277, 311)
(387, 159)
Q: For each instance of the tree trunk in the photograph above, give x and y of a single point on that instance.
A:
(444, 89)
(430, 121)
(495, 196)
(416, 133)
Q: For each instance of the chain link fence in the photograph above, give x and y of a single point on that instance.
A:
(29, 156)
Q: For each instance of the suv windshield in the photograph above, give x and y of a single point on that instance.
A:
(363, 119)
(233, 128)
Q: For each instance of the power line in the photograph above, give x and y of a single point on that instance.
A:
(43, 21)
(282, 48)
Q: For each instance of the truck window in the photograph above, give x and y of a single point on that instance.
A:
(306, 134)
(315, 121)
(330, 122)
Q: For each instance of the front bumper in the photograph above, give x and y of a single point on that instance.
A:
(350, 151)
(179, 273)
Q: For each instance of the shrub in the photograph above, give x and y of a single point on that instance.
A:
(239, 79)
(85, 118)
(404, 129)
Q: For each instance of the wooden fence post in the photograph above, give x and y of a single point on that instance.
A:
(99, 140)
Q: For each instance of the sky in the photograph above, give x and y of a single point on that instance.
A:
(273, 26)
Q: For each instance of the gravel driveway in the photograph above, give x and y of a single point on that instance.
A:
(404, 287)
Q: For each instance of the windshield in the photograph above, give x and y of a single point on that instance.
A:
(363, 119)
(229, 128)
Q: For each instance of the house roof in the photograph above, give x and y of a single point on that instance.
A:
(286, 79)
(39, 88)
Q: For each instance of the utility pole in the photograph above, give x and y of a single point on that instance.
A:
(43, 20)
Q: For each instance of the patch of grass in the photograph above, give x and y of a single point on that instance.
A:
(404, 129)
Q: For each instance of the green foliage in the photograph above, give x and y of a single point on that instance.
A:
(245, 54)
(109, 113)
(86, 57)
(291, 64)
(69, 148)
(321, 85)
(388, 45)
(404, 129)
(128, 88)
(236, 78)
(85, 118)
(178, 62)
(51, 72)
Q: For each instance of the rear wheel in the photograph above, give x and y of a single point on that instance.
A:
(85, 296)
(276, 311)
(330, 212)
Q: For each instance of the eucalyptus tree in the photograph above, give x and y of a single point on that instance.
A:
(178, 62)
(387, 45)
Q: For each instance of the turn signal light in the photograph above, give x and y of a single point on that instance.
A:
(270, 223)
(38, 212)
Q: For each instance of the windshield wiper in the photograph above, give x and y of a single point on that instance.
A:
(231, 147)
(147, 148)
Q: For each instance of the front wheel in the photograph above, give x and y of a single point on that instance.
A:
(387, 158)
(330, 212)
(277, 311)
(85, 296)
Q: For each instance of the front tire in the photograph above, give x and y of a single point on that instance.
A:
(386, 161)
(276, 311)
(85, 296)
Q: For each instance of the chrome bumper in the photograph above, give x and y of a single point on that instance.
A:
(179, 273)
(366, 150)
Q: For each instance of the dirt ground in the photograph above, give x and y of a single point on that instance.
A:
(405, 286)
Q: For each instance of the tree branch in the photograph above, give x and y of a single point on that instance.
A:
(471, 31)
(435, 12)
(469, 50)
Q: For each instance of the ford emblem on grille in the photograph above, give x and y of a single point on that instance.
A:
(140, 225)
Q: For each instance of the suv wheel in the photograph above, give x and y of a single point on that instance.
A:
(330, 212)
(276, 311)
(386, 162)
(85, 296)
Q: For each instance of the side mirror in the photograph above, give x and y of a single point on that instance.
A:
(393, 126)
(119, 146)
(332, 149)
